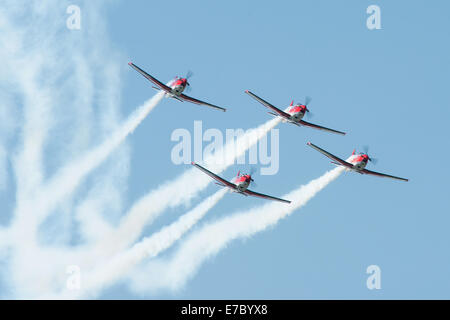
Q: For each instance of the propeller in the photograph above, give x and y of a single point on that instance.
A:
(187, 76)
(308, 101)
(366, 151)
(252, 171)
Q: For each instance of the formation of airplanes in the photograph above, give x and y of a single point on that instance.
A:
(292, 114)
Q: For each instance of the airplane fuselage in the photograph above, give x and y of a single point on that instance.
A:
(178, 86)
(242, 182)
(359, 161)
(297, 112)
(243, 186)
(177, 90)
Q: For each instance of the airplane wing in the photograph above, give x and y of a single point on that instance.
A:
(320, 127)
(224, 182)
(265, 196)
(331, 156)
(365, 171)
(268, 105)
(190, 99)
(149, 77)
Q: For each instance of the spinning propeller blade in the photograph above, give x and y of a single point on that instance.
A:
(252, 171)
(188, 75)
(371, 159)
(307, 100)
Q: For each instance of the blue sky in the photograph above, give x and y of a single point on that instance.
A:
(386, 88)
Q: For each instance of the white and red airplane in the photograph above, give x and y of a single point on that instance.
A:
(356, 162)
(176, 88)
(240, 184)
(293, 114)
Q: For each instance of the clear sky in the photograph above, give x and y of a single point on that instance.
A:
(386, 88)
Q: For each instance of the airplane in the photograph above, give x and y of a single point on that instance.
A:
(176, 88)
(294, 114)
(356, 162)
(240, 184)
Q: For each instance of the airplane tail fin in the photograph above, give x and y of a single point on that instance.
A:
(292, 103)
(353, 153)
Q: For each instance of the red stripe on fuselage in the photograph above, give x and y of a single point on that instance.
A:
(360, 158)
(297, 109)
(179, 82)
(243, 178)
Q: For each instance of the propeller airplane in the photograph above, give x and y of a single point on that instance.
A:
(356, 162)
(239, 184)
(293, 114)
(176, 88)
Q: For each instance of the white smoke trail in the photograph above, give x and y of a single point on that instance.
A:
(149, 247)
(7, 129)
(38, 57)
(54, 75)
(212, 238)
(70, 176)
(4, 242)
(66, 180)
(173, 193)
